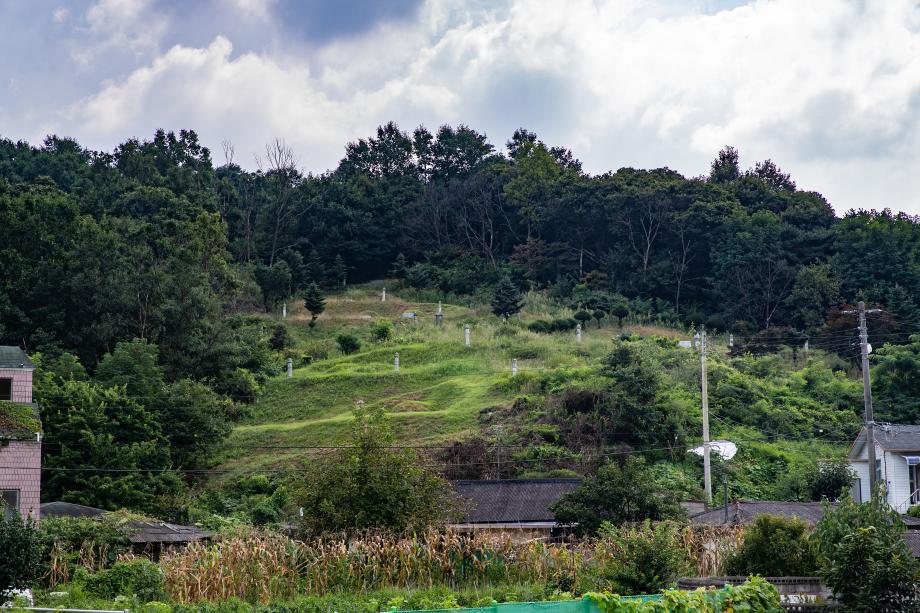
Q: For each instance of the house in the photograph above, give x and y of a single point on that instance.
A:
(516, 507)
(20, 436)
(897, 457)
(145, 535)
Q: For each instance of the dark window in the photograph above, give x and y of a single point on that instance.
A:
(9, 502)
(6, 389)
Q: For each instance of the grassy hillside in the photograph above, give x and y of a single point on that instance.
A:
(782, 414)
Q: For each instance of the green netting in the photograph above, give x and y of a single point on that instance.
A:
(584, 605)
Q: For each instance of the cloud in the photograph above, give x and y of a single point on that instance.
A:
(829, 89)
(119, 26)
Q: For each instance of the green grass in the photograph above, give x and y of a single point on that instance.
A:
(439, 391)
(443, 387)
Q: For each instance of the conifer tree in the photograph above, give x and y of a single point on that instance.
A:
(315, 271)
(506, 299)
(339, 270)
(314, 301)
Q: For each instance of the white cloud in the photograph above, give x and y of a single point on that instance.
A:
(829, 89)
(60, 15)
(260, 9)
(119, 27)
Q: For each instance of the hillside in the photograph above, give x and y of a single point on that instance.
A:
(783, 415)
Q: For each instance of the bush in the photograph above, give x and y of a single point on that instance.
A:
(645, 558)
(540, 326)
(864, 558)
(774, 547)
(754, 595)
(239, 384)
(65, 539)
(382, 331)
(348, 343)
(563, 324)
(280, 338)
(137, 578)
(19, 553)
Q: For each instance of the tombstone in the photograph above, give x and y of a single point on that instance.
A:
(439, 315)
(731, 341)
(466, 335)
(396, 361)
(383, 295)
(578, 333)
(513, 367)
(284, 311)
(290, 368)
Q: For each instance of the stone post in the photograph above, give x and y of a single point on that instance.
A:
(290, 368)
(466, 335)
(578, 333)
(396, 361)
(514, 367)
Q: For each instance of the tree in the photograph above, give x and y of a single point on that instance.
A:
(616, 493)
(599, 314)
(646, 558)
(314, 301)
(774, 546)
(275, 283)
(339, 271)
(20, 552)
(582, 316)
(506, 299)
(314, 270)
(620, 310)
(726, 167)
(373, 484)
(864, 558)
(830, 480)
(348, 343)
(813, 293)
(194, 420)
(895, 383)
(88, 425)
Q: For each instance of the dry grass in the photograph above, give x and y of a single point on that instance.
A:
(262, 567)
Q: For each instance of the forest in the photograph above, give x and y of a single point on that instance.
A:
(134, 276)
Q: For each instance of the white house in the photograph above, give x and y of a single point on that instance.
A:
(897, 464)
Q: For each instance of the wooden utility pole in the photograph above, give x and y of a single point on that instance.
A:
(704, 388)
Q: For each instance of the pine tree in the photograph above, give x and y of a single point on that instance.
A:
(506, 300)
(339, 270)
(314, 301)
(398, 271)
(315, 271)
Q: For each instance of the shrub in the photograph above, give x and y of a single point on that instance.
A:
(643, 558)
(281, 338)
(67, 541)
(583, 317)
(382, 331)
(239, 384)
(563, 324)
(753, 595)
(540, 326)
(774, 547)
(348, 343)
(139, 578)
(19, 553)
(865, 560)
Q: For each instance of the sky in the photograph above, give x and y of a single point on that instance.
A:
(827, 89)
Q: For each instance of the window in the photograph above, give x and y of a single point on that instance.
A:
(6, 389)
(9, 502)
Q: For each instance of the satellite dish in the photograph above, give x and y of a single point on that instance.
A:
(726, 449)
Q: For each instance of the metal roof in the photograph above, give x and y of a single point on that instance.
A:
(890, 437)
(14, 357)
(511, 500)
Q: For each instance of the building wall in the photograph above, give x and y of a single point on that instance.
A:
(20, 469)
(898, 479)
(22, 383)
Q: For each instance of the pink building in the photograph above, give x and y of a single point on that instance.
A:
(20, 436)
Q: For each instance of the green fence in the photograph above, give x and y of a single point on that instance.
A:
(583, 605)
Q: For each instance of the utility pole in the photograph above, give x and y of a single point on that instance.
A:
(867, 397)
(707, 469)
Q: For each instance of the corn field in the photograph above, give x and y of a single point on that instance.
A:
(262, 567)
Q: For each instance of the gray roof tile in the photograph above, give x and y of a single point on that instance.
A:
(511, 500)
(14, 357)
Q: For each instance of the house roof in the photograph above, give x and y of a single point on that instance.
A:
(14, 357)
(68, 509)
(890, 437)
(19, 420)
(744, 512)
(138, 531)
(511, 500)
